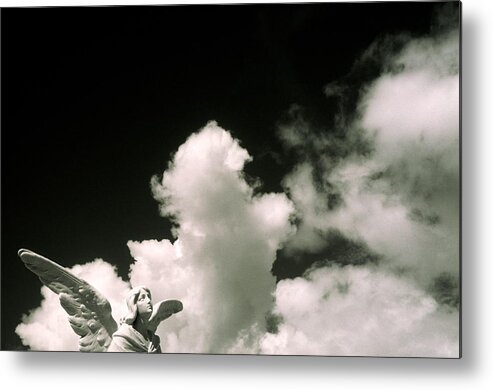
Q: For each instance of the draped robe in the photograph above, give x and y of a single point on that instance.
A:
(127, 339)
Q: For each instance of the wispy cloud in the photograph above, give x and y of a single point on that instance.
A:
(394, 187)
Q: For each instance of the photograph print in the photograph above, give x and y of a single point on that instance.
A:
(266, 179)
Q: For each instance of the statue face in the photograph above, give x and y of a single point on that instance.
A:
(144, 304)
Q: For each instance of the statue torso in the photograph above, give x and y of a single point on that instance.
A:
(127, 339)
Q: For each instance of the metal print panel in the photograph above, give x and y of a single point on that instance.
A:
(278, 179)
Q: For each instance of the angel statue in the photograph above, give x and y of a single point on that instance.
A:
(89, 312)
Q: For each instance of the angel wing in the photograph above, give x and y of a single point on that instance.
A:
(89, 312)
(163, 310)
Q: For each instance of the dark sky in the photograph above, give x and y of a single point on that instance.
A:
(95, 101)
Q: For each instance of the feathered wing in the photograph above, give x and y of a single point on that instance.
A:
(89, 312)
(163, 310)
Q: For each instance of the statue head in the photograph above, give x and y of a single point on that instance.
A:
(138, 304)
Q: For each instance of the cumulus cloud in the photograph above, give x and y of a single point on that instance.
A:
(359, 311)
(227, 241)
(46, 328)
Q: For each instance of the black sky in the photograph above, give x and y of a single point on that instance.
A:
(95, 101)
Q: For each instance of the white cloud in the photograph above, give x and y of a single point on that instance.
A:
(227, 243)
(412, 107)
(360, 311)
(414, 115)
(403, 200)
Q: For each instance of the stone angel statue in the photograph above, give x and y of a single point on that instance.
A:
(89, 313)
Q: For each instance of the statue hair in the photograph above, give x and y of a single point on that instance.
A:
(131, 300)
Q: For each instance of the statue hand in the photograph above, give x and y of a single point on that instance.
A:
(163, 310)
(152, 348)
